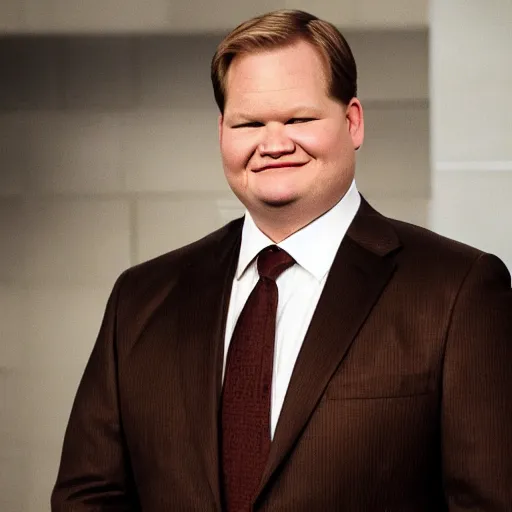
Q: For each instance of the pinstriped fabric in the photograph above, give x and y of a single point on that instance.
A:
(400, 400)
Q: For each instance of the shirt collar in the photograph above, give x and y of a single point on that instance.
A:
(314, 246)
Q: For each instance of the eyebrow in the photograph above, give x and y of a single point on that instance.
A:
(300, 111)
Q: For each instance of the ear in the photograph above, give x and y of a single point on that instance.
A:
(355, 118)
(220, 121)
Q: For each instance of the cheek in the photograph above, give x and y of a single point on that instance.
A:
(315, 146)
(235, 152)
(320, 142)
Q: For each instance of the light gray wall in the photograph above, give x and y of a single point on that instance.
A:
(108, 156)
(472, 123)
(194, 16)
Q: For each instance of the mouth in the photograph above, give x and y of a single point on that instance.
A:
(280, 165)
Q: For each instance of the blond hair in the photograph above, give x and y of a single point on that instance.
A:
(284, 27)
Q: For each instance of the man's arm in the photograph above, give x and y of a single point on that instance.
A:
(94, 473)
(476, 422)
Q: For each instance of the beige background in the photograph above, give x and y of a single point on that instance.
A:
(108, 157)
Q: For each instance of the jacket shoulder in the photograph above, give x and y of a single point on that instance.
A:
(173, 262)
(430, 247)
(145, 286)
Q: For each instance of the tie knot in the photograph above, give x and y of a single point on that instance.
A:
(273, 261)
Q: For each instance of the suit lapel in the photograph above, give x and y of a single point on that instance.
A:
(205, 289)
(360, 271)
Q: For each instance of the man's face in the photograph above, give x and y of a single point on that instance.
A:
(283, 140)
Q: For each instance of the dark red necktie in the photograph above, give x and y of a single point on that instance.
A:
(245, 410)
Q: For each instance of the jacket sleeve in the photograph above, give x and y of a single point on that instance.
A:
(94, 472)
(476, 412)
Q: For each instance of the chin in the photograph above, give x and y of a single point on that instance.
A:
(276, 198)
(278, 202)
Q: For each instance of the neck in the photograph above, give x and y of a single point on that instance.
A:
(280, 223)
(277, 233)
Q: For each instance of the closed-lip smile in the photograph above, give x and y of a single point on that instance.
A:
(278, 165)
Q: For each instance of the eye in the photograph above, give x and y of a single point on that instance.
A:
(253, 124)
(298, 120)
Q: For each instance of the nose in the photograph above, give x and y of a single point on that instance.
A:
(275, 141)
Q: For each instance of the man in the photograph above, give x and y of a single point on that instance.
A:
(382, 382)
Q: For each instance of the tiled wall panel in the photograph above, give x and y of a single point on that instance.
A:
(74, 152)
(342, 12)
(13, 481)
(12, 238)
(474, 207)
(14, 455)
(96, 16)
(408, 209)
(201, 15)
(47, 398)
(394, 159)
(76, 242)
(394, 13)
(174, 72)
(108, 157)
(11, 15)
(367, 13)
(60, 326)
(196, 16)
(31, 74)
(14, 132)
(471, 81)
(172, 150)
(13, 433)
(383, 58)
(12, 318)
(99, 73)
(166, 224)
(41, 473)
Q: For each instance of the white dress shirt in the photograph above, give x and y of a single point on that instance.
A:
(313, 248)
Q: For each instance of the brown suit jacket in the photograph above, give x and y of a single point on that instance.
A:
(400, 400)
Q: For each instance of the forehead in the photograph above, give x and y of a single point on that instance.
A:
(295, 68)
